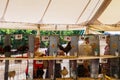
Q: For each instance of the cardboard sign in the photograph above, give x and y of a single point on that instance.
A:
(45, 38)
(67, 38)
(18, 36)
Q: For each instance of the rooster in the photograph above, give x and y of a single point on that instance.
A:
(66, 49)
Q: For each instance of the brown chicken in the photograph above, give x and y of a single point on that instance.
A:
(64, 72)
(11, 74)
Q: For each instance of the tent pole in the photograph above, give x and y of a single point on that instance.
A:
(38, 31)
(87, 30)
(6, 6)
(45, 10)
(100, 11)
(83, 11)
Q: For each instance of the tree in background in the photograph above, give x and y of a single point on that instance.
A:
(34, 32)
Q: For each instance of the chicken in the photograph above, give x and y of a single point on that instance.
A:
(23, 48)
(64, 72)
(66, 49)
(11, 74)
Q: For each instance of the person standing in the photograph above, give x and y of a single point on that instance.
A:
(107, 47)
(106, 66)
(26, 71)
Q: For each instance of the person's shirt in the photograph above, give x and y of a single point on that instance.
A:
(107, 50)
(85, 49)
(26, 71)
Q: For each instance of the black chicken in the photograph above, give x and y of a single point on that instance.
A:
(22, 49)
(66, 49)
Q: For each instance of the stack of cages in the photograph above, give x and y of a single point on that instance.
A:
(15, 51)
(88, 47)
(46, 46)
(56, 69)
(109, 45)
(60, 58)
(52, 69)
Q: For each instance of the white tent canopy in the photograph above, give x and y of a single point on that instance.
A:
(109, 19)
(49, 11)
(112, 13)
(72, 14)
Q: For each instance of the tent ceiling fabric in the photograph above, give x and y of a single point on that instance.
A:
(58, 11)
(28, 26)
(25, 10)
(50, 13)
(112, 13)
(104, 27)
(18, 26)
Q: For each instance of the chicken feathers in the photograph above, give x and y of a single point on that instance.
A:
(67, 48)
(64, 72)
